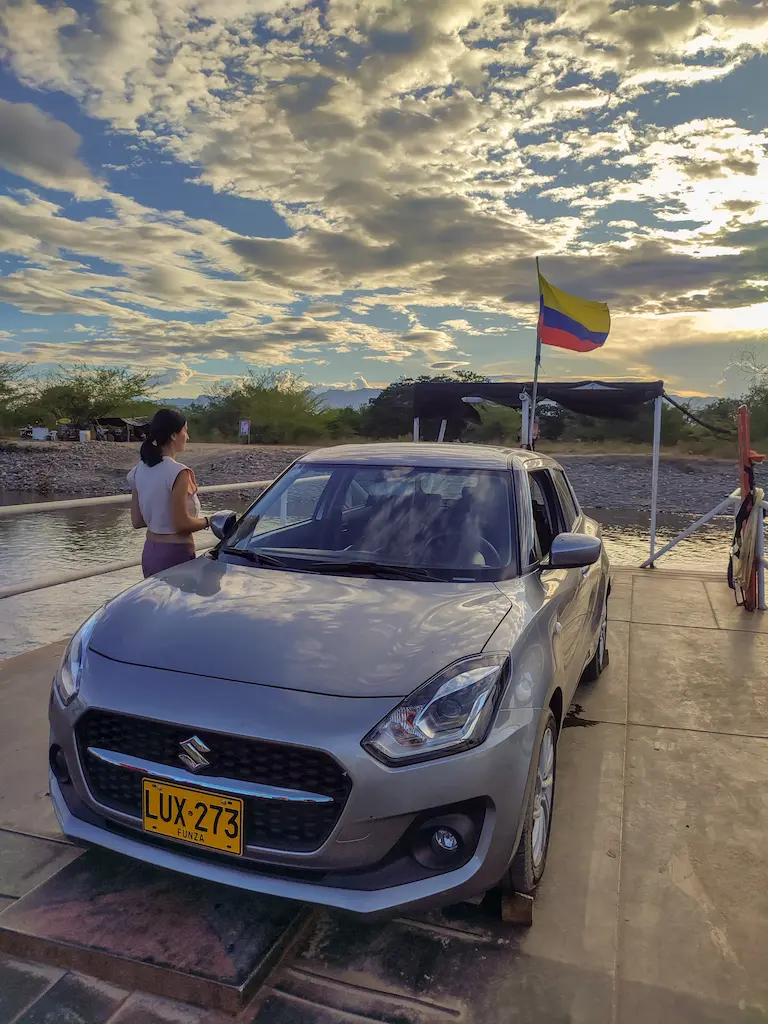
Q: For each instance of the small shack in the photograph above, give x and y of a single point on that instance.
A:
(120, 428)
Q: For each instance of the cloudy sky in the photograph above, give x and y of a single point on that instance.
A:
(357, 189)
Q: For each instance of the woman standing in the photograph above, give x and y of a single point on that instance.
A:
(164, 495)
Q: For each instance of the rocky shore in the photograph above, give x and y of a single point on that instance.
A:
(50, 470)
(59, 470)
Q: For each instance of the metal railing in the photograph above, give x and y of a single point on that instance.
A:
(112, 499)
(731, 502)
(6, 511)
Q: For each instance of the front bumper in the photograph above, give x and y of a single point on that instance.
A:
(355, 868)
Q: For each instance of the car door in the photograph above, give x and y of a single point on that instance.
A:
(593, 585)
(563, 585)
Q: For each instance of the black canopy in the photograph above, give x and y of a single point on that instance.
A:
(608, 399)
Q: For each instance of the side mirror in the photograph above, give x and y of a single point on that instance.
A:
(223, 523)
(574, 551)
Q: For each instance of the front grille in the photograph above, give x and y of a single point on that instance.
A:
(275, 824)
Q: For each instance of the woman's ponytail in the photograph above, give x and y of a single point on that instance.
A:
(150, 453)
(165, 423)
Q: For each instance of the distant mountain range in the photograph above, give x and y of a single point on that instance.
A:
(332, 398)
(696, 403)
(342, 398)
(184, 403)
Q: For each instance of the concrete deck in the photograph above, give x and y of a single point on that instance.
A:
(656, 894)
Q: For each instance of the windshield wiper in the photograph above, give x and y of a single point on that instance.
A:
(382, 570)
(257, 557)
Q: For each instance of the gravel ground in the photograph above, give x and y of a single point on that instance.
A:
(601, 481)
(624, 481)
(53, 470)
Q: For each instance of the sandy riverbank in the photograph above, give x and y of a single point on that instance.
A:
(602, 481)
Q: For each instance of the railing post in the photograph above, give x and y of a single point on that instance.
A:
(415, 428)
(655, 475)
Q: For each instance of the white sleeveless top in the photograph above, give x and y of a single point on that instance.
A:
(153, 485)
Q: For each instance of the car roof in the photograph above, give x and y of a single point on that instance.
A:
(434, 455)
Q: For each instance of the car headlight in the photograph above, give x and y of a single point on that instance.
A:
(67, 680)
(450, 713)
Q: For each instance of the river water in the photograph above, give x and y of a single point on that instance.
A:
(46, 544)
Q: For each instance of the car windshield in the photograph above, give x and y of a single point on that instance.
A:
(449, 524)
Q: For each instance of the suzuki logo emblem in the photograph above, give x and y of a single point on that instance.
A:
(193, 756)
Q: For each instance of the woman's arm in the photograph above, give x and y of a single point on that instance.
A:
(137, 520)
(183, 522)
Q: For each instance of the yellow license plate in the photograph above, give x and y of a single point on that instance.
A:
(210, 820)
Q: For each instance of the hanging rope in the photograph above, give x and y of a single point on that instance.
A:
(720, 431)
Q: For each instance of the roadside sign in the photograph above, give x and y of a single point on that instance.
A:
(245, 429)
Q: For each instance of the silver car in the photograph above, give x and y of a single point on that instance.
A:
(355, 698)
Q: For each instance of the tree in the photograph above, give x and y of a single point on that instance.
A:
(280, 405)
(12, 386)
(390, 414)
(552, 419)
(498, 425)
(81, 393)
(341, 423)
(757, 395)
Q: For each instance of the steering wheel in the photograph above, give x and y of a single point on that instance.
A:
(485, 548)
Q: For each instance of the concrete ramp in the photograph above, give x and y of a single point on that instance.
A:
(143, 928)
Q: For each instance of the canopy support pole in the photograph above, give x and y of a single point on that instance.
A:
(535, 391)
(415, 428)
(525, 420)
(537, 364)
(443, 425)
(655, 476)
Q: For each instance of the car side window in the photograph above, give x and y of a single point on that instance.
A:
(567, 500)
(356, 495)
(296, 503)
(546, 512)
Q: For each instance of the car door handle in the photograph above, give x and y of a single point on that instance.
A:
(585, 570)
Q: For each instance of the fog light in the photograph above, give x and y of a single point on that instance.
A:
(445, 841)
(58, 763)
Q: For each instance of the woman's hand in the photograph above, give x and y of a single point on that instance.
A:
(183, 522)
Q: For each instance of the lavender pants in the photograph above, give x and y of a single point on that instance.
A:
(157, 556)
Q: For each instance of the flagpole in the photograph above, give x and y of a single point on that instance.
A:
(537, 364)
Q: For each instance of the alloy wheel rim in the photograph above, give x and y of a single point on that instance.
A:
(602, 642)
(542, 799)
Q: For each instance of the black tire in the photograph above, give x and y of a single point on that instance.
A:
(599, 662)
(527, 867)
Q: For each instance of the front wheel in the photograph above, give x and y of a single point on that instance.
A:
(525, 872)
(599, 662)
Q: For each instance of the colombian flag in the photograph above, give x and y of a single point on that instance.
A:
(569, 322)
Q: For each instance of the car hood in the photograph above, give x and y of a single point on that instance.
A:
(340, 635)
